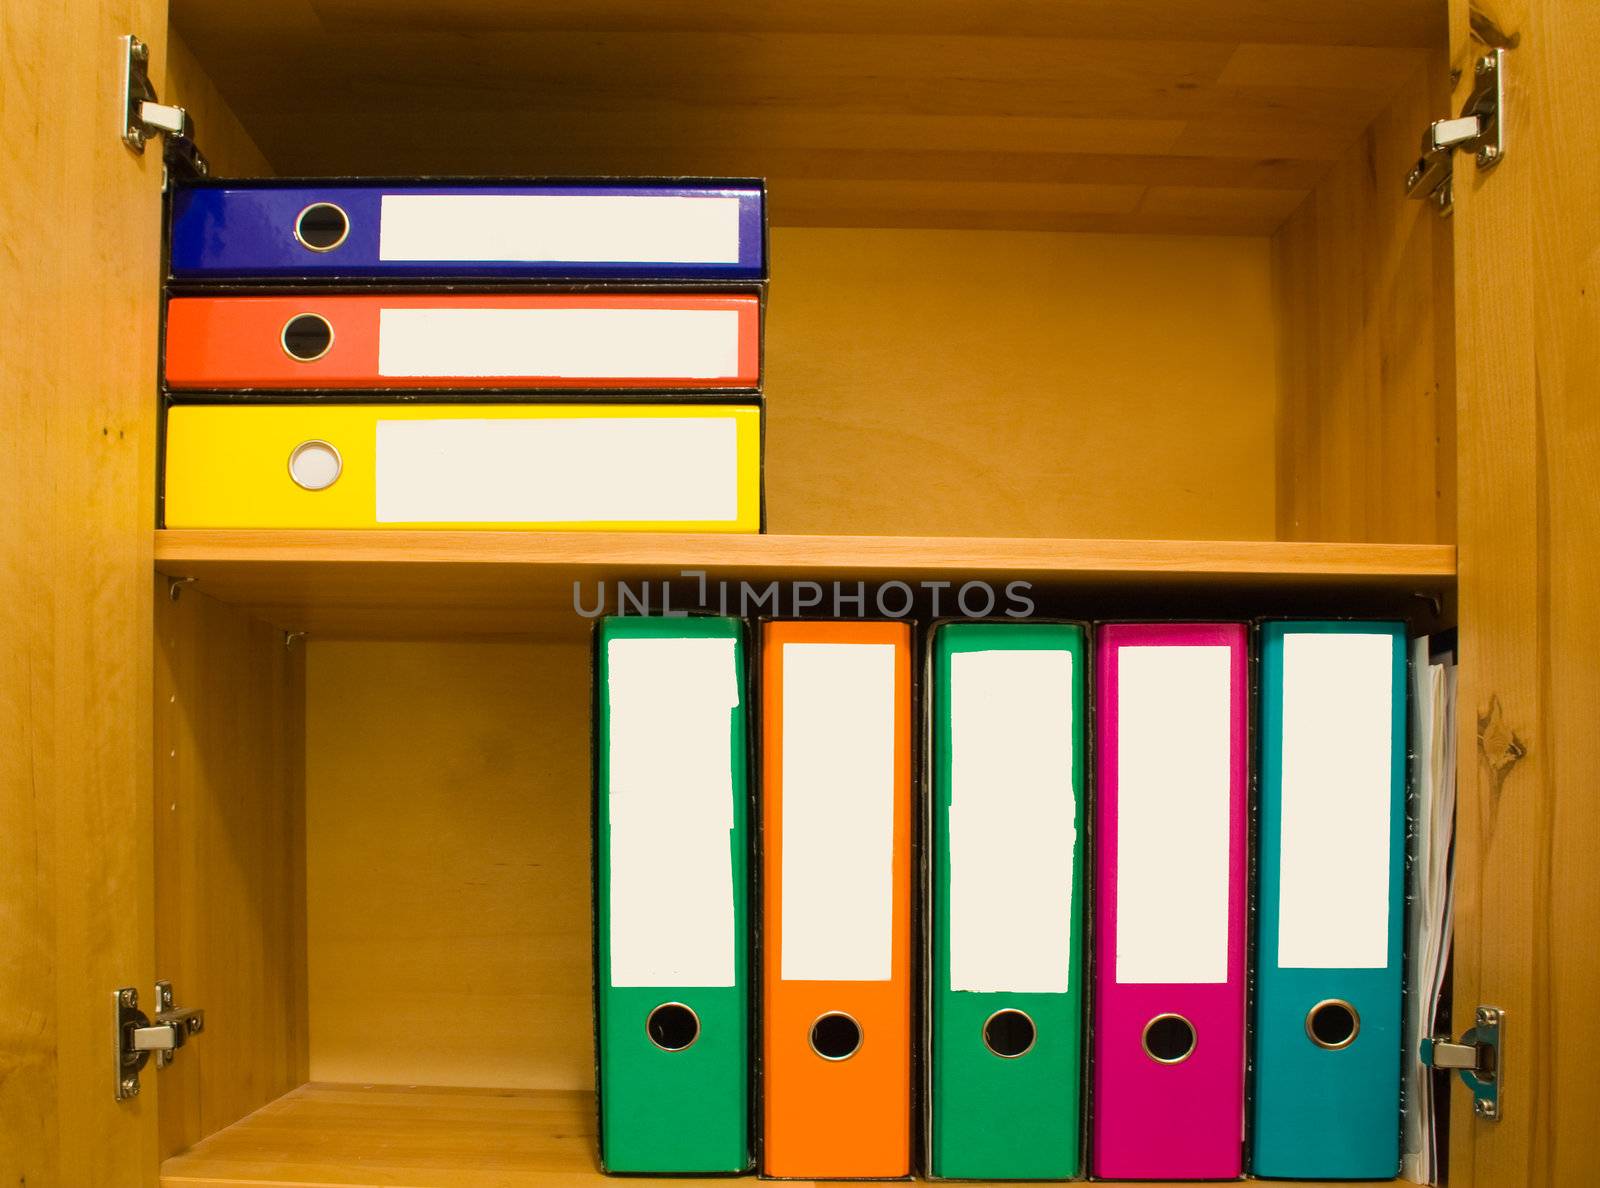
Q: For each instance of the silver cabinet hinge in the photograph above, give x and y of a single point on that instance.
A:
(143, 117)
(1476, 1057)
(1479, 129)
(138, 1035)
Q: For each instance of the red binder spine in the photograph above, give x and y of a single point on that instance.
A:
(571, 341)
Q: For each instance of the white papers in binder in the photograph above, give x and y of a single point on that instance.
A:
(557, 470)
(670, 808)
(1174, 785)
(1337, 801)
(600, 343)
(1011, 821)
(838, 811)
(560, 228)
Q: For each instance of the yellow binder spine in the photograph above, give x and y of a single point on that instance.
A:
(609, 467)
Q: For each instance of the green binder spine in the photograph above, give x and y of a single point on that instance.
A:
(1005, 1104)
(671, 885)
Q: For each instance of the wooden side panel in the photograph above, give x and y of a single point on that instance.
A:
(230, 854)
(1363, 290)
(448, 863)
(81, 220)
(230, 798)
(229, 148)
(1528, 900)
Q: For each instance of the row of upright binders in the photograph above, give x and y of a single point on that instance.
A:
(412, 354)
(1148, 857)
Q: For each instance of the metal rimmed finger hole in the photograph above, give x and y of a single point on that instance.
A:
(1169, 1039)
(1333, 1024)
(306, 337)
(835, 1036)
(1009, 1033)
(672, 1027)
(315, 465)
(321, 227)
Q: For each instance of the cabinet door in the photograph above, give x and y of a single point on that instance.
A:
(1527, 291)
(79, 252)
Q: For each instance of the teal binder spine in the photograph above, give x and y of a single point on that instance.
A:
(1327, 1033)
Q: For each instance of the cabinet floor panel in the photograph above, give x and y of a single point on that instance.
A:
(445, 583)
(410, 1136)
(366, 1136)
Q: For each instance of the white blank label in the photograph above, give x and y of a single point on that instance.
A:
(560, 228)
(1337, 801)
(1012, 833)
(567, 343)
(671, 811)
(557, 470)
(838, 811)
(1174, 776)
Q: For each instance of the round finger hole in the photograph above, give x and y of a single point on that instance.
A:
(1333, 1024)
(307, 336)
(1008, 1033)
(1169, 1039)
(672, 1027)
(835, 1036)
(315, 465)
(322, 226)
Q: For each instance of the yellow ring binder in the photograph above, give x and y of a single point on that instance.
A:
(314, 447)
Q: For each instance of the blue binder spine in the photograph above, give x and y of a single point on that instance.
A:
(685, 230)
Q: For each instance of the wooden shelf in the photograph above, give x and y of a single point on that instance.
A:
(406, 1136)
(378, 583)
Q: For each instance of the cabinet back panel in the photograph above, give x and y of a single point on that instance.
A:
(447, 863)
(986, 383)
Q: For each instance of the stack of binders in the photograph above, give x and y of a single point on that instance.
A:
(542, 355)
(1032, 1068)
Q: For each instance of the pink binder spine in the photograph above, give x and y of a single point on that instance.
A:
(1153, 1120)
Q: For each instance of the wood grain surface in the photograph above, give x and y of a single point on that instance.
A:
(1528, 340)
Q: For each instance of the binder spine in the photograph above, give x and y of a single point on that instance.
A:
(837, 1017)
(1328, 1035)
(555, 467)
(672, 1051)
(1168, 1071)
(561, 229)
(449, 340)
(1006, 1061)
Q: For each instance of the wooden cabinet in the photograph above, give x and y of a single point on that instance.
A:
(1122, 299)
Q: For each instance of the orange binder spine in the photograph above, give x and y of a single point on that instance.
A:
(449, 340)
(836, 865)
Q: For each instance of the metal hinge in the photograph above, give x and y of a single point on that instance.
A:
(1476, 1057)
(143, 117)
(1479, 128)
(138, 1035)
